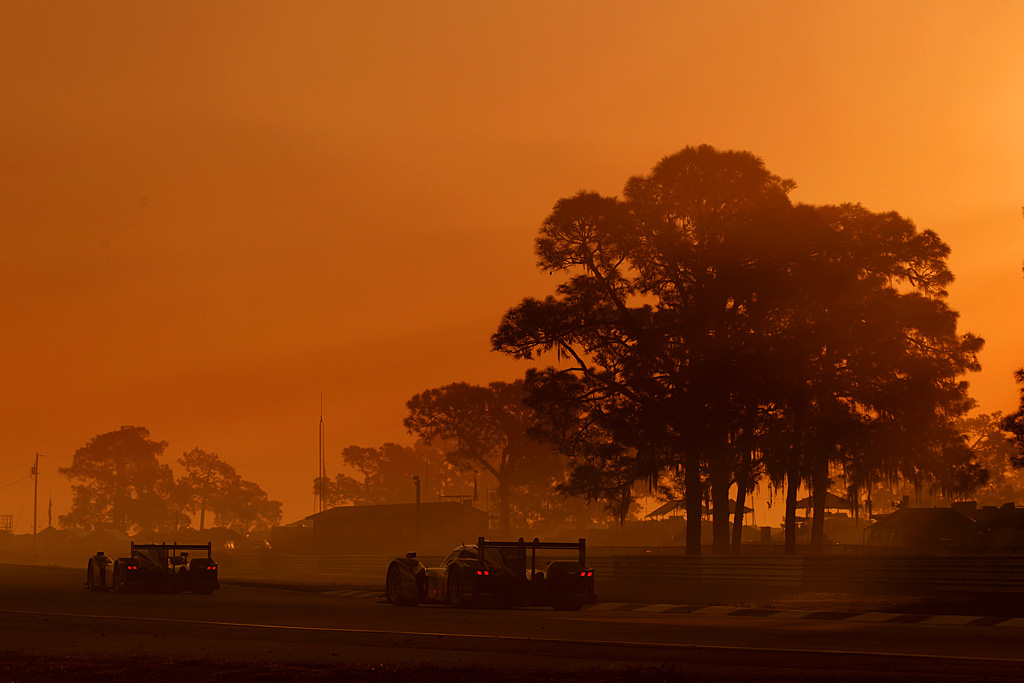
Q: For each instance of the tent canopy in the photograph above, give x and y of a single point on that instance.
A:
(666, 508)
(732, 508)
(673, 505)
(832, 501)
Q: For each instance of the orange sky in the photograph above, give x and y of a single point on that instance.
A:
(213, 212)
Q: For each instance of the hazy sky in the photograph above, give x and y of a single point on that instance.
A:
(214, 211)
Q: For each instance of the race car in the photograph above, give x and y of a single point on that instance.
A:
(154, 567)
(497, 572)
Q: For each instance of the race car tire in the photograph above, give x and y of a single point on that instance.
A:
(90, 580)
(393, 585)
(458, 593)
(561, 588)
(120, 585)
(97, 578)
(203, 590)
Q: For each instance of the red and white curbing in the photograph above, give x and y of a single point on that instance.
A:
(823, 615)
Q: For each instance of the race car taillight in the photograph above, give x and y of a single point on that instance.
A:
(482, 572)
(586, 573)
(133, 566)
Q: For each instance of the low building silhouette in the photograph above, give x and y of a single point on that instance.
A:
(962, 527)
(383, 529)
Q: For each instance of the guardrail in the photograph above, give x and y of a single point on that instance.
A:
(364, 571)
(678, 577)
(646, 576)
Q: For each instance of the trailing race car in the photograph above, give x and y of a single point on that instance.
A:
(154, 567)
(494, 571)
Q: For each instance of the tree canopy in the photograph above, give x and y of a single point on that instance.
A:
(1014, 423)
(386, 474)
(212, 484)
(124, 486)
(122, 483)
(708, 330)
(486, 428)
(245, 507)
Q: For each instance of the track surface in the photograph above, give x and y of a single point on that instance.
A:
(45, 611)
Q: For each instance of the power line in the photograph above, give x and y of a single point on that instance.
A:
(27, 476)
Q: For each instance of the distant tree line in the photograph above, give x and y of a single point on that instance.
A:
(120, 483)
(710, 335)
(469, 433)
(385, 475)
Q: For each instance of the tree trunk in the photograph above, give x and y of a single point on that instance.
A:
(819, 487)
(796, 457)
(504, 514)
(119, 516)
(742, 482)
(792, 485)
(720, 505)
(202, 503)
(692, 493)
(853, 495)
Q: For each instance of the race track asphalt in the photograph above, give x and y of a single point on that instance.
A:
(45, 615)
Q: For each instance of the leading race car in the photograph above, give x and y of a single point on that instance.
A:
(494, 571)
(154, 567)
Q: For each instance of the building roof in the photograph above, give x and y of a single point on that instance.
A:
(926, 522)
(986, 514)
(408, 510)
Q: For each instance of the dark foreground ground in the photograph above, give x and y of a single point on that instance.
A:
(51, 629)
(973, 604)
(28, 667)
(976, 604)
(24, 667)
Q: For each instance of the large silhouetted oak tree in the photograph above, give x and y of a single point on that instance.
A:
(651, 321)
(121, 483)
(124, 486)
(869, 348)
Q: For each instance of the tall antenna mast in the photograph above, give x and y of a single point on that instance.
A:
(321, 482)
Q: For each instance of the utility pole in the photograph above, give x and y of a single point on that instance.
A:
(35, 495)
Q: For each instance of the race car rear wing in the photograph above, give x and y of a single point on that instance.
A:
(174, 547)
(534, 545)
